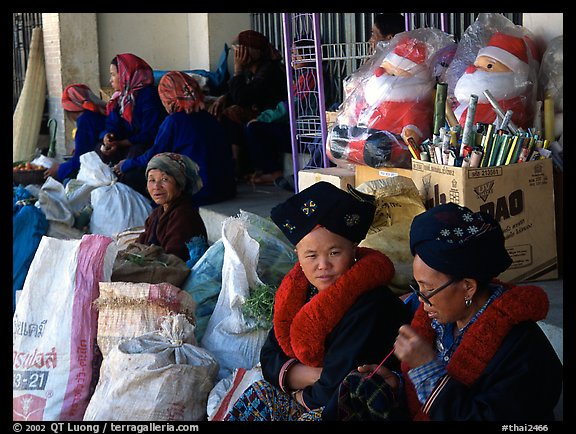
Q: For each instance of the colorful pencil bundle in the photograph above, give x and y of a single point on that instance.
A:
(480, 144)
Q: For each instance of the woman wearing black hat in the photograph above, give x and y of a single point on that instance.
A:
(332, 311)
(474, 350)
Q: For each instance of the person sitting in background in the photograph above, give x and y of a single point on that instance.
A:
(258, 84)
(268, 137)
(385, 27)
(134, 113)
(474, 350)
(88, 111)
(332, 311)
(172, 180)
(189, 130)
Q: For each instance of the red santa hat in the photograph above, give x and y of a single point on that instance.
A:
(507, 49)
(534, 50)
(409, 55)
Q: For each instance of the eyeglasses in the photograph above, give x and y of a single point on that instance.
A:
(431, 293)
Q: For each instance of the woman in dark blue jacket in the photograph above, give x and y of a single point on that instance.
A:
(134, 113)
(88, 111)
(189, 130)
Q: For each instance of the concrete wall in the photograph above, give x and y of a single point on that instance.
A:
(71, 53)
(159, 39)
(167, 41)
(544, 26)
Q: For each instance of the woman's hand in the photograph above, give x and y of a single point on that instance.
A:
(52, 171)
(217, 106)
(389, 377)
(241, 58)
(411, 349)
(108, 149)
(109, 144)
(300, 376)
(108, 139)
(118, 167)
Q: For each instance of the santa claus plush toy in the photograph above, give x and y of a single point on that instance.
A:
(503, 68)
(397, 106)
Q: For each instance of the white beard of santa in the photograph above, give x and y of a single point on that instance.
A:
(502, 85)
(395, 88)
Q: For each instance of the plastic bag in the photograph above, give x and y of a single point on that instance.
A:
(115, 206)
(227, 391)
(127, 310)
(234, 340)
(391, 103)
(56, 361)
(551, 81)
(276, 257)
(204, 284)
(398, 201)
(149, 264)
(495, 36)
(29, 225)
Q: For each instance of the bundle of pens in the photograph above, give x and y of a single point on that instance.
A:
(480, 144)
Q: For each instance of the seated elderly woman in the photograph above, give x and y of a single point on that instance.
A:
(332, 311)
(474, 350)
(172, 179)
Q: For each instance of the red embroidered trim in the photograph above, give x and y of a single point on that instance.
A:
(483, 339)
(301, 328)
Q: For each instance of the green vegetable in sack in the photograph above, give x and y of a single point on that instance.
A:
(259, 305)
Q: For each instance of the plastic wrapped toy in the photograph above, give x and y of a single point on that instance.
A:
(551, 81)
(495, 55)
(392, 104)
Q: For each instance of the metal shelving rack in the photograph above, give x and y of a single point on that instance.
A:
(307, 112)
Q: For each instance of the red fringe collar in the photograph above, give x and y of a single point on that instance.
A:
(301, 328)
(483, 339)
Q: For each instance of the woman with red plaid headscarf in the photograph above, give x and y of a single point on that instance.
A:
(134, 113)
(82, 106)
(188, 130)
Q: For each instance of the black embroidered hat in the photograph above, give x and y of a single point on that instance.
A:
(458, 242)
(348, 214)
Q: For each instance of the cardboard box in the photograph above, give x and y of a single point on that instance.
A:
(367, 173)
(519, 196)
(330, 119)
(339, 176)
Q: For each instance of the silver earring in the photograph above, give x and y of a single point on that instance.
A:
(468, 302)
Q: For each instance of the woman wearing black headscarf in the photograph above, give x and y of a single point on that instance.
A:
(474, 350)
(332, 311)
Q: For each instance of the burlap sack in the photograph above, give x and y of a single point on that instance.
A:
(158, 376)
(397, 203)
(127, 310)
(149, 264)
